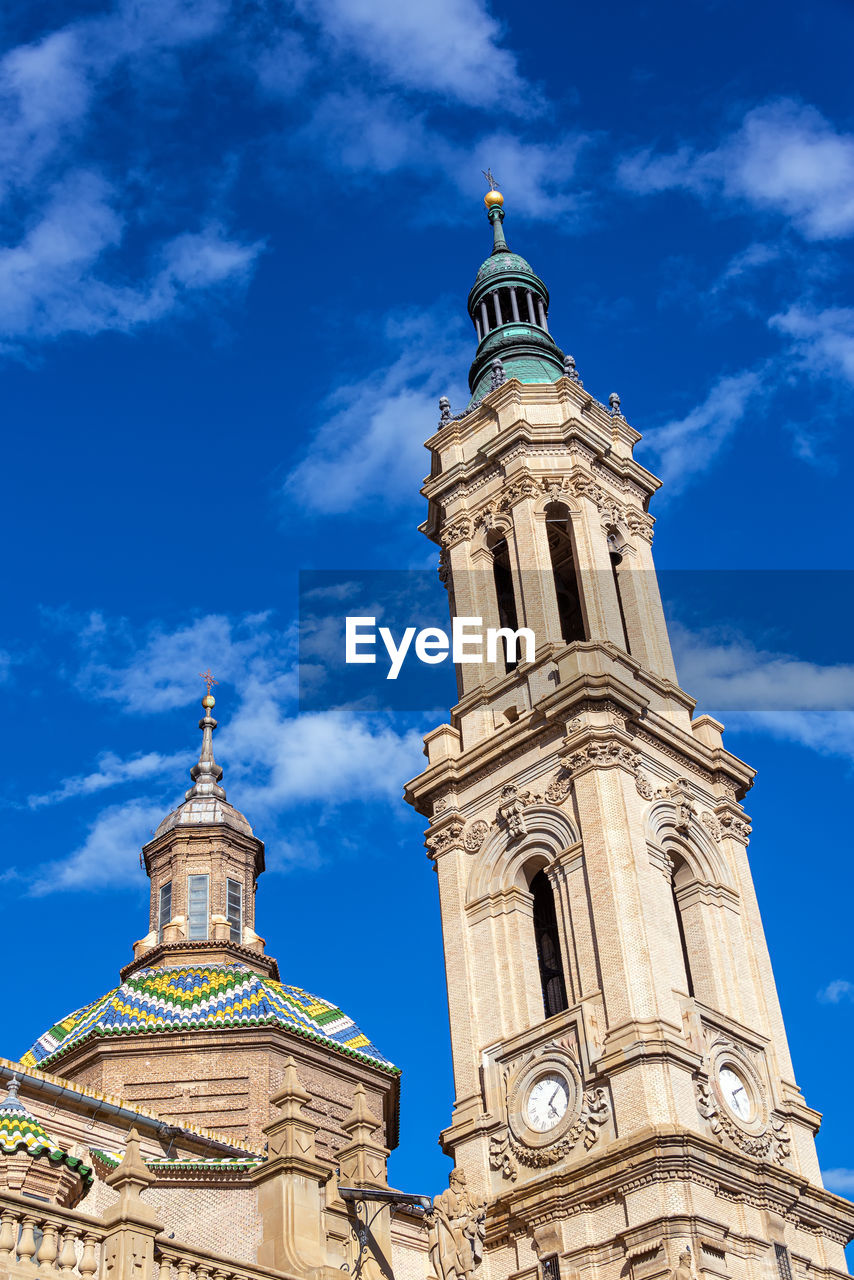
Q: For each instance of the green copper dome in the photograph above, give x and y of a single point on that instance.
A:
(508, 305)
(498, 263)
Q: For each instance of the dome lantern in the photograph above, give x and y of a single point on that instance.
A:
(509, 306)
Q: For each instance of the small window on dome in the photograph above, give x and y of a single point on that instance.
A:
(198, 894)
(164, 911)
(234, 908)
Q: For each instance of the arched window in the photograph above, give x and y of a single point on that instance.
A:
(565, 573)
(503, 575)
(681, 871)
(616, 558)
(548, 946)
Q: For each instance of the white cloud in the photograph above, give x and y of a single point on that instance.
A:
(50, 282)
(688, 446)
(108, 857)
(785, 159)
(448, 47)
(823, 340)
(161, 672)
(381, 134)
(275, 760)
(111, 771)
(370, 447)
(839, 1180)
(58, 267)
(834, 993)
(733, 674)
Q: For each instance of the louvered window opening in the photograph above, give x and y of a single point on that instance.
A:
(234, 908)
(164, 910)
(198, 897)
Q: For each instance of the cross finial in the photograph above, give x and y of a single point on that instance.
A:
(493, 182)
(208, 679)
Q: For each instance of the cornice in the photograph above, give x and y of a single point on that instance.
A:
(662, 1154)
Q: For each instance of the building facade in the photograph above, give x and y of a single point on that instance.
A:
(625, 1104)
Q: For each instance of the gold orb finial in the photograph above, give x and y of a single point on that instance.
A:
(208, 701)
(493, 196)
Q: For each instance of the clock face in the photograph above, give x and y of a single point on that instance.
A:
(735, 1093)
(547, 1102)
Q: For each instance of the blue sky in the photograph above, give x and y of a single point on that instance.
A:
(235, 246)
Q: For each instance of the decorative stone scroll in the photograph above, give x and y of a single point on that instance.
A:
(475, 834)
(455, 531)
(560, 786)
(511, 811)
(445, 837)
(734, 824)
(613, 754)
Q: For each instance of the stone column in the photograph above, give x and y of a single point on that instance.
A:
(128, 1250)
(534, 575)
(290, 1188)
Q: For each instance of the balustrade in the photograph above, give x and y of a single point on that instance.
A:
(184, 1262)
(36, 1238)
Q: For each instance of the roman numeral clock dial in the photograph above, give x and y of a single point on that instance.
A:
(547, 1102)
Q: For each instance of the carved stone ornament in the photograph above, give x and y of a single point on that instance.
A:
(645, 788)
(680, 793)
(444, 838)
(475, 834)
(457, 1225)
(585, 1113)
(511, 811)
(455, 531)
(608, 754)
(758, 1132)
(559, 787)
(500, 1157)
(734, 824)
(711, 823)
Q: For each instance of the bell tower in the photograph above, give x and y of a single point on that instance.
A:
(625, 1101)
(203, 862)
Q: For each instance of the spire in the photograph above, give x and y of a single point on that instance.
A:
(12, 1102)
(494, 202)
(207, 773)
(509, 307)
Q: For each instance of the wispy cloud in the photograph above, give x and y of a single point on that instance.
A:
(762, 691)
(450, 48)
(834, 993)
(109, 856)
(111, 771)
(839, 1180)
(786, 159)
(385, 458)
(379, 133)
(275, 760)
(687, 446)
(822, 339)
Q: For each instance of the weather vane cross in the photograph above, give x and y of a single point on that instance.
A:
(208, 678)
(493, 182)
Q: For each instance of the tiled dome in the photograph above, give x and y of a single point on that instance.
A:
(202, 998)
(20, 1131)
(205, 811)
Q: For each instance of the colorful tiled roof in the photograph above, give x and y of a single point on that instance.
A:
(20, 1131)
(201, 998)
(184, 1164)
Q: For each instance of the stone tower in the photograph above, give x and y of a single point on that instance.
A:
(625, 1100)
